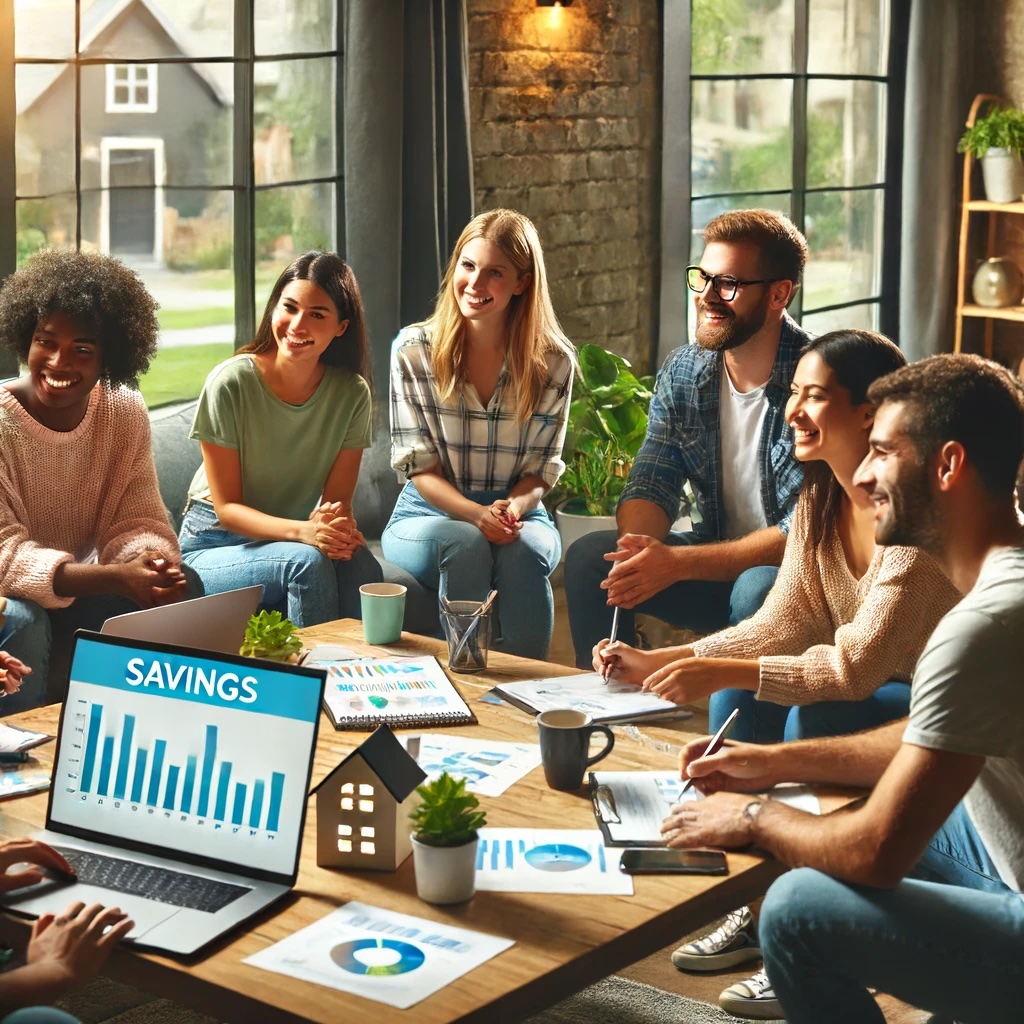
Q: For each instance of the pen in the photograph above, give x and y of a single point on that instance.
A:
(13, 756)
(715, 745)
(607, 670)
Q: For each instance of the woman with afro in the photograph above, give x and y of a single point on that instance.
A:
(83, 531)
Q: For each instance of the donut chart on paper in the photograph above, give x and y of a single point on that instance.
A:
(557, 857)
(409, 957)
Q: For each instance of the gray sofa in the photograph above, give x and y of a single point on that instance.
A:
(177, 458)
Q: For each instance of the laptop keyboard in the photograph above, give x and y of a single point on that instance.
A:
(161, 884)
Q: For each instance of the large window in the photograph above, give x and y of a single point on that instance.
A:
(207, 193)
(787, 104)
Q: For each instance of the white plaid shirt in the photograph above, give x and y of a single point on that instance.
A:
(478, 449)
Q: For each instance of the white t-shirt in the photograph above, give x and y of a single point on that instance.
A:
(968, 697)
(740, 421)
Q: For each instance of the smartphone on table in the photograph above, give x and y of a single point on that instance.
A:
(657, 860)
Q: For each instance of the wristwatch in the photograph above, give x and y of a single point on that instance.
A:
(750, 812)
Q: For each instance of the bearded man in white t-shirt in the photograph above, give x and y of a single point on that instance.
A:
(916, 890)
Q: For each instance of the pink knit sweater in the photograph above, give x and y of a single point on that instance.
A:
(822, 635)
(88, 494)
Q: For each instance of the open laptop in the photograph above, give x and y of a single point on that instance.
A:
(179, 787)
(213, 623)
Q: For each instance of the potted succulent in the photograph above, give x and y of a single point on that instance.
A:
(444, 840)
(607, 424)
(270, 635)
(996, 138)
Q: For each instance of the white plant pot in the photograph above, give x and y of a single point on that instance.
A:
(572, 525)
(1003, 175)
(444, 874)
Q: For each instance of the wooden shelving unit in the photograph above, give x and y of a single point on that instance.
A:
(966, 258)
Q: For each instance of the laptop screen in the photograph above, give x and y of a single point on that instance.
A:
(186, 753)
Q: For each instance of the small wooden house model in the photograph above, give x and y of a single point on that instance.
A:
(363, 806)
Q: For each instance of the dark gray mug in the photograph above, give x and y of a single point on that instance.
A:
(565, 746)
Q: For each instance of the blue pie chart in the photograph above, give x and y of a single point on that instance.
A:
(374, 961)
(557, 857)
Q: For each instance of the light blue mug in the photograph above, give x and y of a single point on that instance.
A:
(383, 607)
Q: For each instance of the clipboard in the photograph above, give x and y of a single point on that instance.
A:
(630, 806)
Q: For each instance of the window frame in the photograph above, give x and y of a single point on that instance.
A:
(132, 105)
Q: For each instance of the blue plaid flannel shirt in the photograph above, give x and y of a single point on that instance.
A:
(683, 441)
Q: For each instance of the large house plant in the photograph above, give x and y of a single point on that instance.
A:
(444, 840)
(997, 139)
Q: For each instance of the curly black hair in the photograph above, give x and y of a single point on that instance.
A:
(99, 292)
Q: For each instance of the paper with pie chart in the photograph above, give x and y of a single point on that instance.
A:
(378, 954)
(549, 860)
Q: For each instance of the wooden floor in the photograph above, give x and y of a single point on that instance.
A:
(657, 970)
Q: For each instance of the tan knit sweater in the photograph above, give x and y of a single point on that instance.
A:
(822, 635)
(88, 494)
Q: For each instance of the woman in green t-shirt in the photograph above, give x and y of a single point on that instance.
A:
(282, 426)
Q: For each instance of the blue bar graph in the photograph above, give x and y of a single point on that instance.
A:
(150, 780)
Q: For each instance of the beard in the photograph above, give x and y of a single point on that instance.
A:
(912, 518)
(731, 332)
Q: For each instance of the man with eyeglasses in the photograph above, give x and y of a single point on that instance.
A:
(716, 420)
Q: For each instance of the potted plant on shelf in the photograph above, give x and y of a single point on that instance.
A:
(444, 840)
(270, 635)
(997, 139)
(607, 424)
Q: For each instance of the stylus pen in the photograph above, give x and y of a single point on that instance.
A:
(715, 745)
(606, 671)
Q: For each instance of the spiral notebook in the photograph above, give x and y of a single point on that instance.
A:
(363, 693)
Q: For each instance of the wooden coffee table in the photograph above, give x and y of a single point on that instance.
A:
(562, 942)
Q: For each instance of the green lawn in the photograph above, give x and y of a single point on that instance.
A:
(178, 373)
(210, 316)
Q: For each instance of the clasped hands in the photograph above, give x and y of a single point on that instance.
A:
(12, 673)
(149, 579)
(335, 533)
(500, 521)
(641, 568)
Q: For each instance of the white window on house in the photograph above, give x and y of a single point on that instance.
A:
(131, 88)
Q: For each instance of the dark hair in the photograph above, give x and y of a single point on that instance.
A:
(327, 270)
(98, 292)
(783, 248)
(857, 359)
(967, 399)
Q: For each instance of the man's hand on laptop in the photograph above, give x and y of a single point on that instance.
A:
(12, 673)
(642, 568)
(34, 860)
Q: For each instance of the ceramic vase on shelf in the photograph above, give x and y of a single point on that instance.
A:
(1003, 175)
(997, 282)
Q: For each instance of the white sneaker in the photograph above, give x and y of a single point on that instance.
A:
(753, 999)
(731, 943)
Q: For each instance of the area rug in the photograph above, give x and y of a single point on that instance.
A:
(612, 1001)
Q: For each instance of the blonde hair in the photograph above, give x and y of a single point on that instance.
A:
(532, 329)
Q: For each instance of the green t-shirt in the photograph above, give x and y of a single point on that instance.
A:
(286, 451)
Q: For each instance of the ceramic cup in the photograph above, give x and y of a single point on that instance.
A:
(565, 746)
(383, 606)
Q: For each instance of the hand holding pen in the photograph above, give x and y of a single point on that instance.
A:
(608, 666)
(714, 746)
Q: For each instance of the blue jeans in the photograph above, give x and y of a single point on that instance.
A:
(761, 721)
(457, 560)
(951, 946)
(298, 580)
(702, 605)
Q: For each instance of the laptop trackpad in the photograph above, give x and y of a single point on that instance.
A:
(38, 899)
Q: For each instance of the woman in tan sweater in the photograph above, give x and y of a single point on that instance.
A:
(833, 646)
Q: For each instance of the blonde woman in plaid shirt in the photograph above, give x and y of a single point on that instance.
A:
(479, 403)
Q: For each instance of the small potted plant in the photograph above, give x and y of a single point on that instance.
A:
(444, 840)
(997, 139)
(270, 635)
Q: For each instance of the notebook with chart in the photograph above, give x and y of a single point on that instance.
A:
(363, 693)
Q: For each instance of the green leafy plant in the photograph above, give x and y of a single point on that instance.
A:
(607, 424)
(447, 815)
(999, 128)
(270, 635)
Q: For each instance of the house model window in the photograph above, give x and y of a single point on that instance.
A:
(131, 88)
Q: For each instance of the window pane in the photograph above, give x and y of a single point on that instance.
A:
(291, 220)
(283, 26)
(44, 28)
(746, 36)
(45, 223)
(704, 210)
(742, 136)
(848, 37)
(844, 235)
(845, 133)
(294, 137)
(187, 28)
(864, 316)
(45, 129)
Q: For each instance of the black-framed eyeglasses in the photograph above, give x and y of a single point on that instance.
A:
(724, 284)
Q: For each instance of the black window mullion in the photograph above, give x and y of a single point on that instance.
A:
(797, 197)
(244, 175)
(340, 227)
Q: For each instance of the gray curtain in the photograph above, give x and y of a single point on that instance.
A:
(940, 87)
(408, 181)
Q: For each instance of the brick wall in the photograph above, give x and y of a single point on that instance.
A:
(565, 126)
